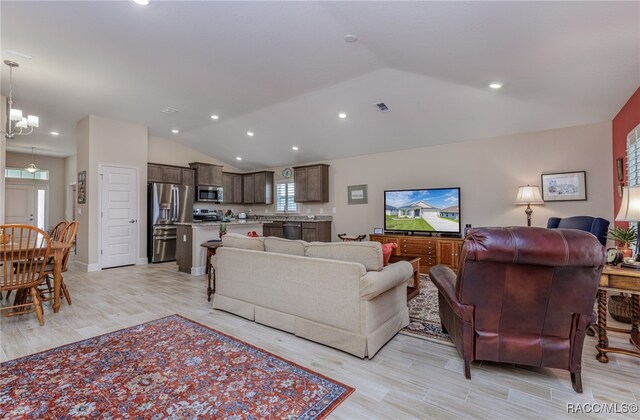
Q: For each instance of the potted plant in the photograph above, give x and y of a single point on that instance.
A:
(625, 237)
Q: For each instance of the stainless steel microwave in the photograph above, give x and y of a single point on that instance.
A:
(209, 194)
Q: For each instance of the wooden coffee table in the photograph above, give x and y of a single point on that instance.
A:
(412, 291)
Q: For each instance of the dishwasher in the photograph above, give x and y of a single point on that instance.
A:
(292, 230)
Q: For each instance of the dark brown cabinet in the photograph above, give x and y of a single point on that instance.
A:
(272, 229)
(232, 188)
(169, 174)
(207, 175)
(258, 187)
(188, 177)
(311, 183)
(316, 231)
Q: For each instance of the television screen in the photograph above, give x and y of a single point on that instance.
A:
(426, 210)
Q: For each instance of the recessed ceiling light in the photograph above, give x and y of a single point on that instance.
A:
(54, 133)
(168, 110)
(18, 54)
(342, 115)
(350, 38)
(294, 147)
(174, 131)
(250, 133)
(142, 2)
(495, 85)
(238, 158)
(214, 116)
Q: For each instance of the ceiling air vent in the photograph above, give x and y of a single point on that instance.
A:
(383, 107)
(169, 110)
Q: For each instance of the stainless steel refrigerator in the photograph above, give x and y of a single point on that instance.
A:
(167, 204)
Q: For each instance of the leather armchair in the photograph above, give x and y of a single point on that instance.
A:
(595, 225)
(522, 295)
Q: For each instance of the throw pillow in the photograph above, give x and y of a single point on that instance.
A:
(387, 249)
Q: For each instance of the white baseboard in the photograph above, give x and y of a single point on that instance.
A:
(142, 261)
(88, 268)
(198, 271)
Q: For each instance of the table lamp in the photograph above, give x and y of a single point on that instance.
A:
(529, 195)
(630, 210)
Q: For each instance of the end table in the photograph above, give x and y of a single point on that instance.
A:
(211, 247)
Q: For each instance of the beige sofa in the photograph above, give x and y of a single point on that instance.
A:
(338, 294)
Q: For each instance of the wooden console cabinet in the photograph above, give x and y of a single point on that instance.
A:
(431, 250)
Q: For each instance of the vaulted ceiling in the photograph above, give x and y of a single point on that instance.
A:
(283, 71)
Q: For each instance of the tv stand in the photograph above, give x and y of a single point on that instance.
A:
(432, 250)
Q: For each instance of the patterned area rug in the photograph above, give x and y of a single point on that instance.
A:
(424, 316)
(170, 368)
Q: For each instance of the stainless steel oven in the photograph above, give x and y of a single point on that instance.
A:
(213, 194)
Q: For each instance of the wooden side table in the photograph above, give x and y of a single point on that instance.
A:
(211, 247)
(412, 291)
(614, 279)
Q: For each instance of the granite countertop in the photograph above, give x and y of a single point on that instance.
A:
(295, 220)
(233, 223)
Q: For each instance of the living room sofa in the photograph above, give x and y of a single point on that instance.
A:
(338, 294)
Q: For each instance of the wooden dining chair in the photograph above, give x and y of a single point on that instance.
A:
(67, 236)
(23, 255)
(56, 232)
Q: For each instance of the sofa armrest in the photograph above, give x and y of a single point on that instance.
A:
(376, 282)
(445, 280)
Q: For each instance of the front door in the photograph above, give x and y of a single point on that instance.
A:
(26, 204)
(119, 210)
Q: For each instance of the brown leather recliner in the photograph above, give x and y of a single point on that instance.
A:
(522, 295)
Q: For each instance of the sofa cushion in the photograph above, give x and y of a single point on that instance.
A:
(235, 240)
(367, 253)
(284, 246)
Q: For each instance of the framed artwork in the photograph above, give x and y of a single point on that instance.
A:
(564, 186)
(357, 194)
(378, 231)
(82, 187)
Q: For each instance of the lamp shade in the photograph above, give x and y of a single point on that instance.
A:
(529, 195)
(630, 206)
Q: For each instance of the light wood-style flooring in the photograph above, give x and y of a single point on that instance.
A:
(409, 378)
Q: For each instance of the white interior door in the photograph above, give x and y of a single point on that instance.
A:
(26, 204)
(119, 210)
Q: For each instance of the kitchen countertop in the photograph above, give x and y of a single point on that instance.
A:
(233, 223)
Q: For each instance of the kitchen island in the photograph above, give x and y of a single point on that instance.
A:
(190, 256)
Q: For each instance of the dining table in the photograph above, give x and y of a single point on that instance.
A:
(56, 253)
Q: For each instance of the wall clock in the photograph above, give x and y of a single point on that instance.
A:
(287, 172)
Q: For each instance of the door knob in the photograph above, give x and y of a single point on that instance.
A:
(132, 221)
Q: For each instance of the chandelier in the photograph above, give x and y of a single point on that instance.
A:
(17, 125)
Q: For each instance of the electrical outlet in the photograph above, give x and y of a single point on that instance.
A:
(184, 238)
(321, 210)
(333, 210)
(308, 211)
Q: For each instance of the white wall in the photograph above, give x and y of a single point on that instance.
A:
(105, 141)
(488, 171)
(3, 141)
(170, 152)
(71, 176)
(55, 165)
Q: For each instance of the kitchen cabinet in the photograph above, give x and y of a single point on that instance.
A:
(167, 174)
(232, 188)
(311, 183)
(258, 187)
(207, 175)
(272, 229)
(188, 176)
(316, 231)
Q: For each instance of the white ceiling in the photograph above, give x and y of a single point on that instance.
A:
(282, 70)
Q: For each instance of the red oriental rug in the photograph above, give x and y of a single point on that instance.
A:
(168, 368)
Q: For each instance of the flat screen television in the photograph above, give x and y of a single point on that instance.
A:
(433, 210)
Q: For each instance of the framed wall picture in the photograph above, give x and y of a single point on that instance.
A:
(82, 187)
(357, 194)
(564, 186)
(378, 231)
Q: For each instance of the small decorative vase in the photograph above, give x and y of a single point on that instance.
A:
(626, 252)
